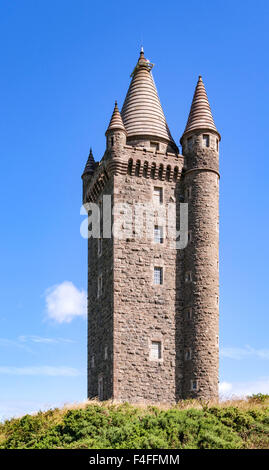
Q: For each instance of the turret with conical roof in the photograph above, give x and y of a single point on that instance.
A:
(200, 121)
(90, 165)
(200, 147)
(115, 133)
(88, 171)
(142, 113)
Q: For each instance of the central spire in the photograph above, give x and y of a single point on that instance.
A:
(142, 112)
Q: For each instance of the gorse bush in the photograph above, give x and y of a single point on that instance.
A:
(110, 426)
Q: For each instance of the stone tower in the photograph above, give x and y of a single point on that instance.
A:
(153, 308)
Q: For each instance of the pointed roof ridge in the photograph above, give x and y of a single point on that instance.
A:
(142, 113)
(116, 120)
(200, 116)
(90, 165)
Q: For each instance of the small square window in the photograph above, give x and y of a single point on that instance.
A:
(194, 385)
(158, 195)
(154, 146)
(189, 314)
(205, 140)
(188, 354)
(156, 350)
(158, 234)
(188, 276)
(158, 275)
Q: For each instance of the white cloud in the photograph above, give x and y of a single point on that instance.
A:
(40, 370)
(243, 389)
(225, 387)
(11, 343)
(65, 302)
(39, 339)
(242, 353)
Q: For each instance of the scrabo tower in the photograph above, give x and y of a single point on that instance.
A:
(153, 308)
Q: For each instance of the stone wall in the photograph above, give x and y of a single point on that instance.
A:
(182, 313)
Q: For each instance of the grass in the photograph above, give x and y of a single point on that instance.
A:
(191, 424)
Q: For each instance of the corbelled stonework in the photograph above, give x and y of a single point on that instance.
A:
(128, 314)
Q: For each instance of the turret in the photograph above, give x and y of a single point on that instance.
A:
(115, 133)
(88, 172)
(200, 147)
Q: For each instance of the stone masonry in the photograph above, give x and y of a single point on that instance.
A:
(154, 342)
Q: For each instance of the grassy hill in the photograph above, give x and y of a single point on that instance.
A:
(190, 424)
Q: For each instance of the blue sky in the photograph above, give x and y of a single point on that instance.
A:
(63, 64)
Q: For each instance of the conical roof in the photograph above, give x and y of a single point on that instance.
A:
(200, 116)
(116, 120)
(90, 165)
(142, 112)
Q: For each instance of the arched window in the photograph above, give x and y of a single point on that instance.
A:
(130, 166)
(160, 174)
(153, 170)
(145, 169)
(137, 168)
(175, 173)
(168, 173)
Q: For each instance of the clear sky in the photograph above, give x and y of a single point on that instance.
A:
(63, 64)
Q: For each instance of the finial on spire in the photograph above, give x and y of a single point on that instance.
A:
(142, 49)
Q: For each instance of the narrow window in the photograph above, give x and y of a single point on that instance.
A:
(194, 385)
(153, 170)
(160, 174)
(205, 140)
(112, 141)
(188, 193)
(100, 214)
(158, 195)
(175, 176)
(156, 350)
(189, 236)
(158, 234)
(189, 314)
(99, 246)
(100, 286)
(145, 169)
(158, 275)
(188, 354)
(106, 353)
(188, 276)
(217, 145)
(100, 388)
(137, 168)
(168, 173)
(92, 361)
(130, 167)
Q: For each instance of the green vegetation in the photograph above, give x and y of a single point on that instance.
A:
(188, 425)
